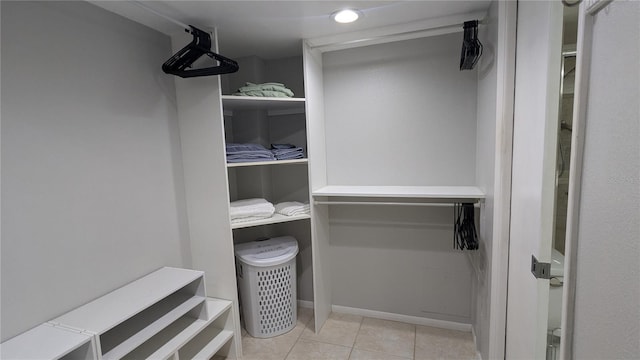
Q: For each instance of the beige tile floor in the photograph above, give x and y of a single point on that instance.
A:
(351, 337)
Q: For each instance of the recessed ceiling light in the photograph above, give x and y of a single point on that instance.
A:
(346, 16)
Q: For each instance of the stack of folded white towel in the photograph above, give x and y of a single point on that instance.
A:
(250, 210)
(258, 209)
(291, 208)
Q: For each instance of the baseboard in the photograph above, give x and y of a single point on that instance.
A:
(416, 320)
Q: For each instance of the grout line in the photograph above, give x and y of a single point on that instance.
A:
(357, 333)
(415, 340)
(353, 346)
(350, 352)
(294, 344)
(300, 336)
(289, 352)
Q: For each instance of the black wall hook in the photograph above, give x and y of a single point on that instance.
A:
(471, 46)
(180, 63)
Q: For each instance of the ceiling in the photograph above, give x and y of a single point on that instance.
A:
(274, 29)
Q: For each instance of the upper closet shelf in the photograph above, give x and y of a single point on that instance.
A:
(273, 105)
(407, 192)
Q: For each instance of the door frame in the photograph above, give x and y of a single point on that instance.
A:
(506, 63)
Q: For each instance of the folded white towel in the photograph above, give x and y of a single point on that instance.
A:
(291, 208)
(248, 219)
(256, 208)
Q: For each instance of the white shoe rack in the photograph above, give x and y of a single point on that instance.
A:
(164, 315)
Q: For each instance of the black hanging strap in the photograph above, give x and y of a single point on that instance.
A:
(471, 46)
(180, 63)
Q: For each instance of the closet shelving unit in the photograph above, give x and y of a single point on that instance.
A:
(235, 109)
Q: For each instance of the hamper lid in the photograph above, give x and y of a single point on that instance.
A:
(269, 252)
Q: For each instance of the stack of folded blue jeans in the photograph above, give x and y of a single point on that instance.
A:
(248, 152)
(286, 151)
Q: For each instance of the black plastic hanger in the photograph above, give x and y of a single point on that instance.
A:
(180, 63)
(471, 46)
(465, 236)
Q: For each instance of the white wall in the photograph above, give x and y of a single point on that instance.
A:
(400, 114)
(92, 188)
(607, 306)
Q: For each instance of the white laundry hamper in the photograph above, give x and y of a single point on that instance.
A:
(266, 272)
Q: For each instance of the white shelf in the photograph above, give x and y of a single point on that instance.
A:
(216, 307)
(210, 338)
(275, 219)
(208, 350)
(154, 328)
(181, 332)
(164, 344)
(264, 163)
(415, 192)
(119, 305)
(278, 106)
(45, 341)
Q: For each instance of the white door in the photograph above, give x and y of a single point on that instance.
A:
(538, 55)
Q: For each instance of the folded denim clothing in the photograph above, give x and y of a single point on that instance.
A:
(249, 158)
(286, 151)
(289, 155)
(248, 152)
(282, 146)
(237, 148)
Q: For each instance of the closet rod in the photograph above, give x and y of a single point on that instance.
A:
(430, 204)
(414, 30)
(440, 30)
(179, 23)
